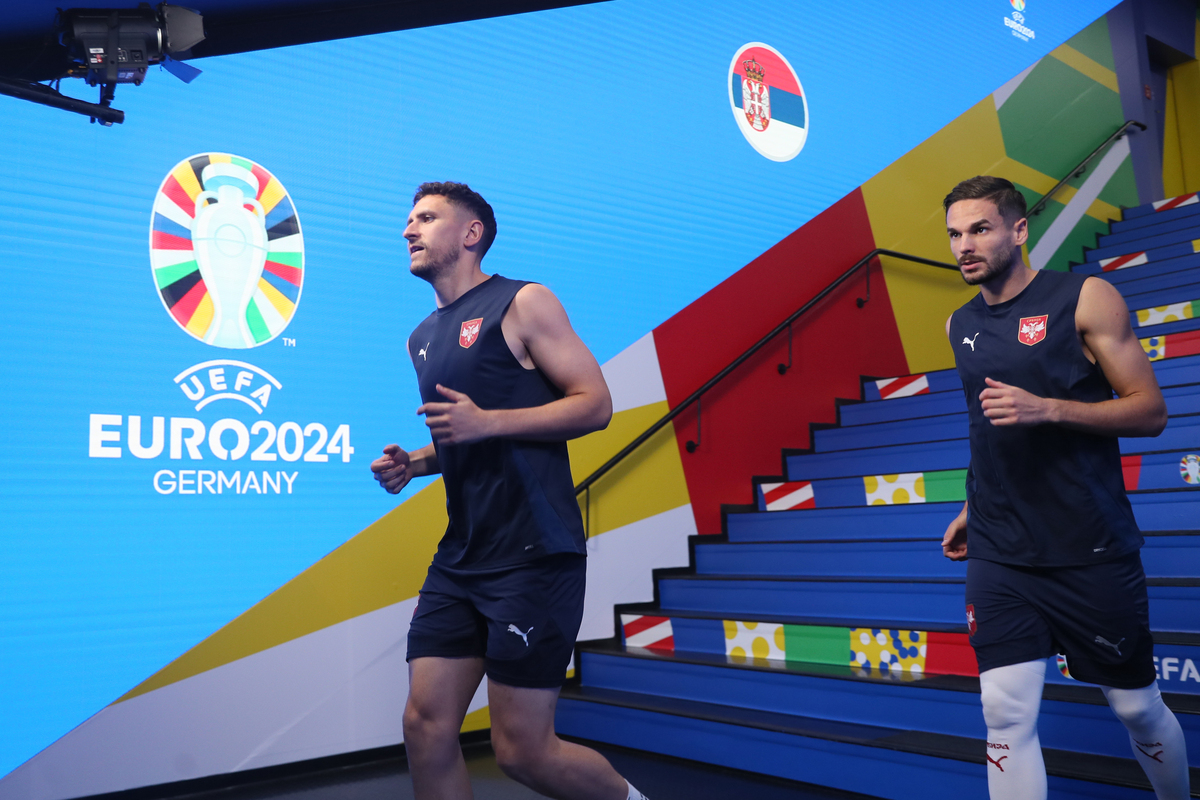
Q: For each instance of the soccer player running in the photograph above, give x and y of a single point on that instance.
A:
(504, 382)
(1053, 545)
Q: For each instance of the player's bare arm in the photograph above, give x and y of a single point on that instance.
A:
(540, 335)
(396, 467)
(1102, 319)
(954, 541)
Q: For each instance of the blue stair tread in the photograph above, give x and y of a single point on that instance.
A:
(1168, 555)
(1184, 581)
(1163, 242)
(855, 414)
(1066, 693)
(1154, 298)
(1158, 227)
(1146, 214)
(1168, 270)
(1059, 763)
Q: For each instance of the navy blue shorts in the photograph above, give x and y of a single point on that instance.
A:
(522, 621)
(1098, 616)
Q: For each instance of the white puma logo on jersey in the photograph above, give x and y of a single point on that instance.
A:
(423, 351)
(525, 636)
(971, 341)
(1106, 642)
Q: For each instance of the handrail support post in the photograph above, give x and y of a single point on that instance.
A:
(862, 301)
(783, 368)
(693, 446)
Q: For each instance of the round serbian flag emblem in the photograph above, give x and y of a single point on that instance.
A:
(226, 250)
(768, 102)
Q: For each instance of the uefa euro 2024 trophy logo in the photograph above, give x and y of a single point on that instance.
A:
(226, 251)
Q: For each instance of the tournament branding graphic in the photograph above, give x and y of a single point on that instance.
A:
(469, 332)
(971, 626)
(768, 102)
(1017, 22)
(1032, 329)
(226, 251)
(227, 258)
(1189, 469)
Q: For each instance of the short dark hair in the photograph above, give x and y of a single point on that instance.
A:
(463, 196)
(1008, 200)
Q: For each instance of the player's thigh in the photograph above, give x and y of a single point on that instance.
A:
(522, 718)
(440, 690)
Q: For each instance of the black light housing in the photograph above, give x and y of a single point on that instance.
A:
(107, 46)
(118, 45)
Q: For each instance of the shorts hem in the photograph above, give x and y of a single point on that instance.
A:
(1086, 672)
(524, 683)
(441, 654)
(1013, 652)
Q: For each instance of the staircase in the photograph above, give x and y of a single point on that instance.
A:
(822, 638)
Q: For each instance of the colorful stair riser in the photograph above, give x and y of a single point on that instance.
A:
(1142, 472)
(894, 654)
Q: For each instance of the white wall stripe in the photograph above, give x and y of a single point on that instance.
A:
(1070, 216)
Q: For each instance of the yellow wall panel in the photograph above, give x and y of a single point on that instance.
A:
(649, 481)
(904, 203)
(1181, 129)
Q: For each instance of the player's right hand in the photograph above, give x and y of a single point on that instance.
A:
(954, 542)
(392, 469)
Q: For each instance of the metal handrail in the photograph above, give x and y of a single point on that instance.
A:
(694, 397)
(1082, 166)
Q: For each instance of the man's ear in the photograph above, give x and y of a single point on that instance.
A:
(1022, 230)
(474, 234)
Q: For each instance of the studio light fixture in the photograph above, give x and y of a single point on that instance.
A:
(108, 46)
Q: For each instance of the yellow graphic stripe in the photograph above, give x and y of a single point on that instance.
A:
(220, 158)
(480, 719)
(648, 482)
(386, 562)
(1081, 63)
(1041, 183)
(271, 195)
(202, 317)
(284, 306)
(186, 177)
(382, 565)
(904, 204)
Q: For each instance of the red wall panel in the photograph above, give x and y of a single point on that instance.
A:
(755, 411)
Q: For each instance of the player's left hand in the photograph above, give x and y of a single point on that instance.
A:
(1009, 405)
(458, 422)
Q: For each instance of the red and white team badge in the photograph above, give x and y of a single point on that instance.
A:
(1032, 330)
(971, 627)
(469, 332)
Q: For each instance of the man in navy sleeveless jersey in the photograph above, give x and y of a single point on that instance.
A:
(504, 383)
(1053, 545)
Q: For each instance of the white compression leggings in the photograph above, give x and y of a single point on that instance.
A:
(1012, 696)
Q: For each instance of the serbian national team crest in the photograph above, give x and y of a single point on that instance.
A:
(971, 626)
(469, 332)
(768, 102)
(756, 95)
(1032, 330)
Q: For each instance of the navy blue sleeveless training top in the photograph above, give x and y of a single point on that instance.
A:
(509, 500)
(1043, 496)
